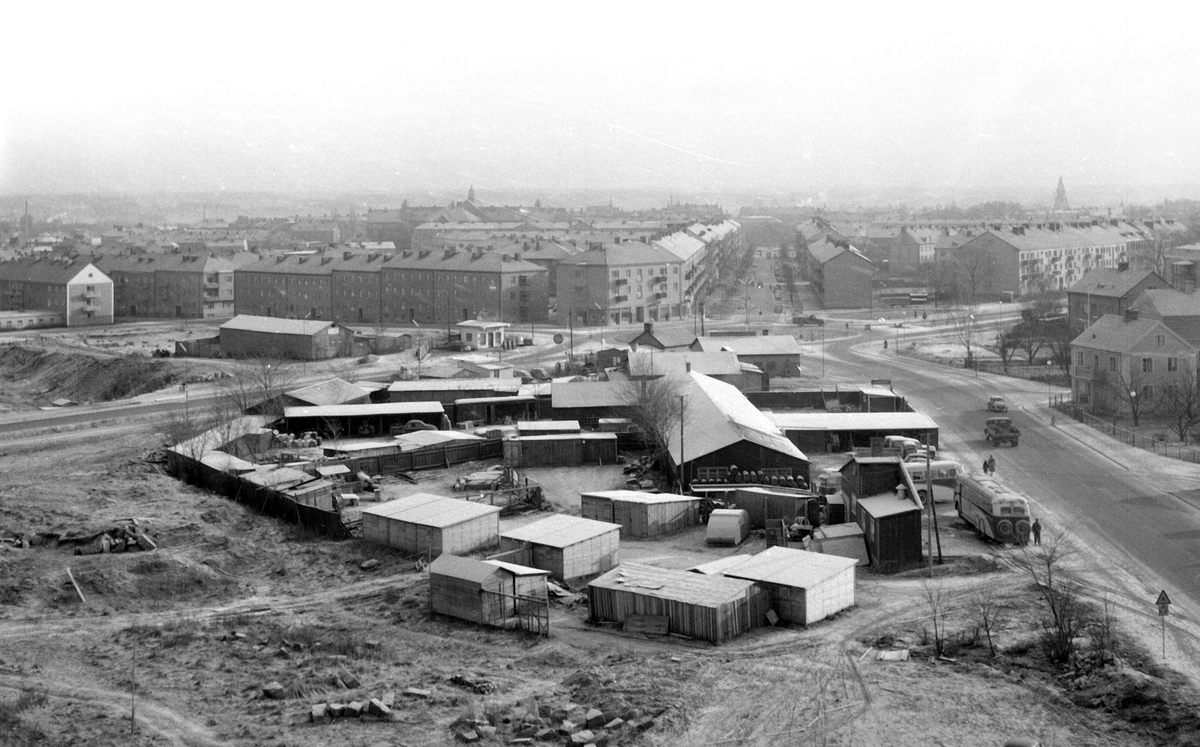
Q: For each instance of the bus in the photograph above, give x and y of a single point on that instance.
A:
(942, 473)
(995, 511)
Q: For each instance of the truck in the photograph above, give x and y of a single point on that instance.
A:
(999, 431)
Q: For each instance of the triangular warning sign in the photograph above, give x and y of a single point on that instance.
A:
(1163, 598)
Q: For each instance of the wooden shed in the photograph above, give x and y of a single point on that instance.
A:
(485, 591)
(892, 525)
(707, 607)
(547, 427)
(569, 547)
(804, 586)
(565, 450)
(846, 540)
(641, 514)
(727, 526)
(425, 524)
(765, 504)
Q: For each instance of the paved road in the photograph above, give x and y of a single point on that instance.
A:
(1146, 507)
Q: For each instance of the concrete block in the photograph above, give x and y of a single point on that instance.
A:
(273, 690)
(417, 692)
(582, 737)
(319, 712)
(350, 680)
(594, 718)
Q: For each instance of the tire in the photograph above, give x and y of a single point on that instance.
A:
(1004, 530)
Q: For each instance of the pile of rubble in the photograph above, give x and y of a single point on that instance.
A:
(129, 536)
(578, 725)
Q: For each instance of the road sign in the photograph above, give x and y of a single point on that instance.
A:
(558, 338)
(1164, 603)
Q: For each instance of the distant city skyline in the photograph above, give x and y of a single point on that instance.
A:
(923, 104)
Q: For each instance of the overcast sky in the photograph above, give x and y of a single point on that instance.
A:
(678, 97)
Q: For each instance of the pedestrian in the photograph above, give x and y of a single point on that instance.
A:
(885, 344)
(1037, 531)
(991, 464)
(985, 467)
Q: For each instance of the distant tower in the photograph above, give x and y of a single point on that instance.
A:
(1060, 197)
(471, 194)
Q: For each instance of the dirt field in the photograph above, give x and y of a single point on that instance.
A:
(187, 636)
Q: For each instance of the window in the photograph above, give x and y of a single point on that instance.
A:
(1096, 361)
(1112, 363)
(1160, 341)
(616, 274)
(1147, 392)
(1079, 358)
(1172, 364)
(1147, 365)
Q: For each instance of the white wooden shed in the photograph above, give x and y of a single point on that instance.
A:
(569, 547)
(804, 586)
(485, 591)
(641, 514)
(426, 524)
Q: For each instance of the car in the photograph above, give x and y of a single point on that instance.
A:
(526, 341)
(808, 321)
(412, 426)
(997, 404)
(524, 376)
(459, 346)
(539, 374)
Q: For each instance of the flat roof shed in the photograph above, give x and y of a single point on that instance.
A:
(708, 607)
(482, 591)
(569, 547)
(641, 514)
(426, 524)
(804, 586)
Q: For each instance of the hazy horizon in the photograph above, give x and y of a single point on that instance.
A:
(925, 105)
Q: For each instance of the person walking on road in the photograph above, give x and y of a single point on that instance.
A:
(985, 466)
(991, 464)
(1037, 531)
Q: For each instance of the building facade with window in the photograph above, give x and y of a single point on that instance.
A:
(1126, 359)
(76, 289)
(620, 283)
(451, 286)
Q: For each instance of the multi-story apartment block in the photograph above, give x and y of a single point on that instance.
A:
(841, 276)
(450, 286)
(288, 286)
(357, 288)
(77, 289)
(184, 286)
(621, 283)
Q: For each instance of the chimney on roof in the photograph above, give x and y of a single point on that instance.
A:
(373, 256)
(649, 327)
(347, 255)
(1131, 315)
(449, 253)
(688, 366)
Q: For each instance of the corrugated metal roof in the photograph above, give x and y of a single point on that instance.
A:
(852, 421)
(886, 505)
(331, 392)
(837, 531)
(717, 415)
(350, 411)
(422, 439)
(788, 567)
(575, 394)
(467, 569)
(518, 570)
(650, 362)
(678, 586)
(714, 567)
(275, 325)
(637, 496)
(565, 426)
(431, 510)
(752, 344)
(561, 530)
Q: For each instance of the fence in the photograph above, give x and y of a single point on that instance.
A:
(1183, 451)
(430, 457)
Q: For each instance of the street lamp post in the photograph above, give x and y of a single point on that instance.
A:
(971, 337)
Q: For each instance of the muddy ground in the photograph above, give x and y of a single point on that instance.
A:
(187, 636)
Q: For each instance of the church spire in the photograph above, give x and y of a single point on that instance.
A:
(471, 193)
(1060, 197)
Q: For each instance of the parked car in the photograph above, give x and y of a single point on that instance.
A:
(808, 321)
(411, 426)
(524, 376)
(526, 341)
(459, 346)
(997, 404)
(539, 374)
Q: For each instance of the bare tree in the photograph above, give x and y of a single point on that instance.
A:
(257, 384)
(1059, 337)
(937, 601)
(987, 612)
(976, 266)
(656, 407)
(1005, 347)
(1181, 402)
(1132, 390)
(962, 322)
(1062, 614)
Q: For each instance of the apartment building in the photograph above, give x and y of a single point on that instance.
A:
(620, 283)
(1122, 357)
(450, 286)
(77, 289)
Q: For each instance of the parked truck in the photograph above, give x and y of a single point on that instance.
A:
(999, 431)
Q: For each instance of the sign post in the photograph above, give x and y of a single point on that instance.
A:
(1164, 608)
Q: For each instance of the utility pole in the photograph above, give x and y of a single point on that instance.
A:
(681, 460)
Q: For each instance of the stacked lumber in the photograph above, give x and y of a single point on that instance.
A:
(125, 537)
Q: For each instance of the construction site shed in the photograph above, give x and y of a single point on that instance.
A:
(569, 547)
(485, 592)
(804, 586)
(425, 524)
(641, 514)
(706, 607)
(565, 450)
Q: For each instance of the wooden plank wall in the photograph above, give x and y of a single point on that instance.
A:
(588, 558)
(714, 624)
(469, 536)
(598, 508)
(658, 519)
(460, 598)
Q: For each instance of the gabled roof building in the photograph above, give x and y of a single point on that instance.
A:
(1122, 361)
(77, 289)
